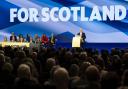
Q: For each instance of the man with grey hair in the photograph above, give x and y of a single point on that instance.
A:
(61, 78)
(25, 80)
(50, 63)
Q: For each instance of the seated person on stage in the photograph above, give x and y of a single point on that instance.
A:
(21, 39)
(44, 39)
(13, 38)
(28, 38)
(52, 39)
(31, 40)
(5, 39)
(36, 38)
(82, 35)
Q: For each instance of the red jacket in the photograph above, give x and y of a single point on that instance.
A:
(44, 39)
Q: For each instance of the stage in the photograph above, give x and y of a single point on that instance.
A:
(98, 46)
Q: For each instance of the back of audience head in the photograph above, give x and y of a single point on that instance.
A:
(100, 62)
(110, 80)
(7, 68)
(24, 71)
(83, 55)
(74, 70)
(91, 60)
(125, 78)
(2, 58)
(92, 74)
(53, 70)
(116, 62)
(50, 63)
(61, 78)
(30, 63)
(21, 54)
(83, 68)
(34, 55)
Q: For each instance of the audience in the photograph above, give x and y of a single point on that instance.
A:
(63, 68)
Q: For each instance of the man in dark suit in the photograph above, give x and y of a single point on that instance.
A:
(83, 37)
(13, 38)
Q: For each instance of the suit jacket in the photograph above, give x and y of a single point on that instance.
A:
(83, 36)
(11, 38)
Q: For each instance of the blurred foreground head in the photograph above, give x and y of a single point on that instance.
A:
(24, 71)
(92, 73)
(61, 78)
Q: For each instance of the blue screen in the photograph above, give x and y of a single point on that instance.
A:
(96, 31)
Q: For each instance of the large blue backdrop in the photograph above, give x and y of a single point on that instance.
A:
(96, 31)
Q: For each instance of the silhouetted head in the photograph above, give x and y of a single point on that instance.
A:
(24, 71)
(74, 70)
(61, 78)
(92, 73)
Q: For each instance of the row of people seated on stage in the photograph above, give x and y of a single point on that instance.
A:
(37, 39)
(43, 39)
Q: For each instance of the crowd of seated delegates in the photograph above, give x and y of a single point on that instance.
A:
(63, 68)
(44, 40)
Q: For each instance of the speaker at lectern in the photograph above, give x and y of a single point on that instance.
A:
(76, 41)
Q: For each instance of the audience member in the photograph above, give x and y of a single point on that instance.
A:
(61, 78)
(25, 80)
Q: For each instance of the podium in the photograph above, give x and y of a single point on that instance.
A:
(76, 41)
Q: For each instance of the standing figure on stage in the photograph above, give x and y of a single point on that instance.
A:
(13, 38)
(44, 39)
(83, 36)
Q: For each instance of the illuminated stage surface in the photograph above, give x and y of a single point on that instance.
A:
(97, 46)
(19, 44)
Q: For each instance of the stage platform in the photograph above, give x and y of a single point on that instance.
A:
(98, 46)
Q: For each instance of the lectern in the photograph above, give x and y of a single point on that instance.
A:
(76, 41)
